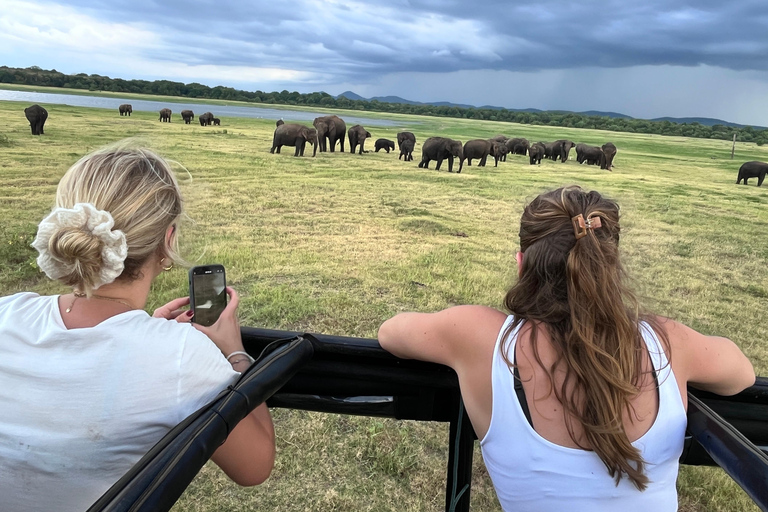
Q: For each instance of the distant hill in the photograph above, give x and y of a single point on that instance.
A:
(354, 97)
(605, 114)
(394, 99)
(705, 121)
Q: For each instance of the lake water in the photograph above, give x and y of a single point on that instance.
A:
(76, 100)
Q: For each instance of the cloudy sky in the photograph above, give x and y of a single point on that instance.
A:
(646, 59)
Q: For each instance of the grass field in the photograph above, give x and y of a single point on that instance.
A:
(340, 242)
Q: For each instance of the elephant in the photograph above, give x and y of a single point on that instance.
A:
(562, 149)
(165, 115)
(518, 146)
(384, 144)
(498, 152)
(549, 150)
(294, 135)
(188, 116)
(357, 135)
(503, 140)
(403, 136)
(216, 121)
(609, 151)
(332, 129)
(752, 169)
(590, 154)
(406, 150)
(279, 122)
(536, 152)
(125, 109)
(36, 115)
(440, 148)
(477, 148)
(205, 119)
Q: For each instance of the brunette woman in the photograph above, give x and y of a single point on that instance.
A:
(598, 420)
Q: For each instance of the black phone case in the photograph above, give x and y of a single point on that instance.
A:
(197, 270)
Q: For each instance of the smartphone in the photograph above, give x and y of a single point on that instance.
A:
(207, 293)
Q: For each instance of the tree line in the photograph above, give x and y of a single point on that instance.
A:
(52, 78)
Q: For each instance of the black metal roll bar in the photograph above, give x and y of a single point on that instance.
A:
(337, 374)
(155, 482)
(356, 376)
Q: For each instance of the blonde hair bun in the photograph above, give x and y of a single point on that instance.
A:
(79, 247)
(114, 209)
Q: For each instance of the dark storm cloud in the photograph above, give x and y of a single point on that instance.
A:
(351, 41)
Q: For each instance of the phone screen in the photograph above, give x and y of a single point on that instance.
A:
(210, 295)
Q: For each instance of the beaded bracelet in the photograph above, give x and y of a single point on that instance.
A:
(250, 359)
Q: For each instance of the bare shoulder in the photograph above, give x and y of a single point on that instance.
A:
(711, 363)
(474, 316)
(680, 336)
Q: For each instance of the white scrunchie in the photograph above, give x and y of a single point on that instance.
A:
(88, 218)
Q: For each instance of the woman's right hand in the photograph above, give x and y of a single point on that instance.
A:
(225, 333)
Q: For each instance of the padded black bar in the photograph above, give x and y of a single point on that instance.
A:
(161, 476)
(747, 411)
(742, 460)
(345, 367)
(356, 376)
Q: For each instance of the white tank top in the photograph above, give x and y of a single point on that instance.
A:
(530, 473)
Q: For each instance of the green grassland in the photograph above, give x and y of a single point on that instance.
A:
(340, 242)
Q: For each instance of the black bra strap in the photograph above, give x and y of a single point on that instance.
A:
(521, 397)
(524, 402)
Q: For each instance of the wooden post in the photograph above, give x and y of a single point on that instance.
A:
(733, 149)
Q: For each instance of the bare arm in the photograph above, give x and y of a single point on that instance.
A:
(448, 337)
(710, 363)
(248, 454)
(461, 337)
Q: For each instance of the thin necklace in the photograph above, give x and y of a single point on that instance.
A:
(81, 295)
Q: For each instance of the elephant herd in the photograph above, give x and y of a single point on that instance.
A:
(187, 116)
(37, 115)
(330, 130)
(500, 146)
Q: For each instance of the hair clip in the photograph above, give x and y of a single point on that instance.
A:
(580, 226)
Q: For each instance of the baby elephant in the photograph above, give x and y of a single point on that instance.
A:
(753, 169)
(216, 121)
(384, 144)
(406, 149)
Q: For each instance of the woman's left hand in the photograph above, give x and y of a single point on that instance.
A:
(173, 311)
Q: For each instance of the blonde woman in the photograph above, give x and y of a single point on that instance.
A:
(599, 416)
(88, 380)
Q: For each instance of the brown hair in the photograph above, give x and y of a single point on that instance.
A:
(575, 287)
(139, 189)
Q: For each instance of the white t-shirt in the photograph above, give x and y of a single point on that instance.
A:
(78, 407)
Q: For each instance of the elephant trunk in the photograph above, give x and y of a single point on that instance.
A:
(317, 142)
(461, 160)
